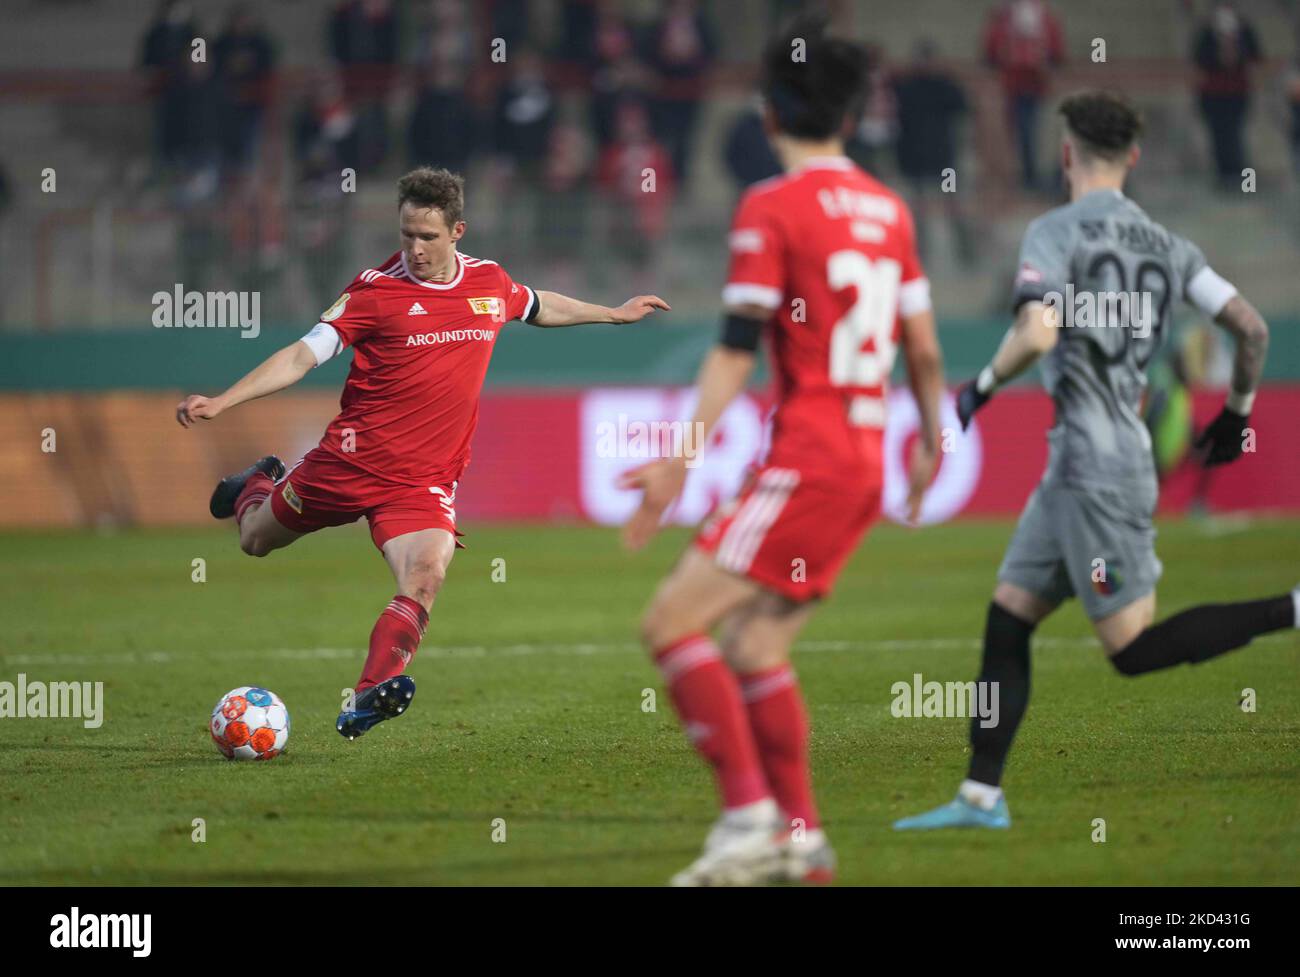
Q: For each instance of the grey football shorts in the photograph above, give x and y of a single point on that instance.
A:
(1094, 544)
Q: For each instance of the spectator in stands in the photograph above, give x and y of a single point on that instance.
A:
(446, 37)
(615, 73)
(577, 25)
(1293, 104)
(363, 40)
(509, 20)
(681, 48)
(1023, 40)
(931, 106)
(198, 102)
(363, 35)
(565, 202)
(636, 174)
(877, 122)
(524, 114)
(201, 231)
(243, 59)
(325, 141)
(1224, 49)
(444, 126)
(6, 201)
(165, 53)
(325, 133)
(748, 153)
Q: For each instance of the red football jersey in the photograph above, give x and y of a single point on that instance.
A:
(831, 251)
(422, 348)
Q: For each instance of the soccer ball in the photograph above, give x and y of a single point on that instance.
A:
(250, 724)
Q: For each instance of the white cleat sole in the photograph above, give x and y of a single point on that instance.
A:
(756, 860)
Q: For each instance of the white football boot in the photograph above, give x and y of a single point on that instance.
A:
(743, 848)
(740, 821)
(752, 858)
(809, 860)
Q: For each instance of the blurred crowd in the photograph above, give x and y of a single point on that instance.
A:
(460, 84)
(645, 83)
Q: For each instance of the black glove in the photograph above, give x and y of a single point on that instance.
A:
(969, 400)
(1221, 441)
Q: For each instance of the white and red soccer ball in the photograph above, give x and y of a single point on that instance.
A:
(250, 724)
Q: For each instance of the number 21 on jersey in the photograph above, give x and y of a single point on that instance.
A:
(862, 346)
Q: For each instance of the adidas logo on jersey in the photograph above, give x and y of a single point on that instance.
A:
(416, 309)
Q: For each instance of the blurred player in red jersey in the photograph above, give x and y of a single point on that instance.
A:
(423, 324)
(823, 259)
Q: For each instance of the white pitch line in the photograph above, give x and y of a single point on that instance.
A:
(519, 650)
(496, 651)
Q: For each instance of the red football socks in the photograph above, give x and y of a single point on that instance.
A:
(780, 727)
(393, 641)
(708, 702)
(255, 491)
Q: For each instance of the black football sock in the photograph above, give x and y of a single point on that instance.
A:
(1006, 662)
(1200, 633)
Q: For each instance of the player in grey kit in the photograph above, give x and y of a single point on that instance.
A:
(1093, 295)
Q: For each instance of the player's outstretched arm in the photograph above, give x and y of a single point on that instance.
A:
(1223, 440)
(279, 370)
(722, 377)
(560, 310)
(1032, 336)
(925, 377)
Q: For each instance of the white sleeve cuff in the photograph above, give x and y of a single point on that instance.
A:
(746, 293)
(914, 297)
(1209, 292)
(324, 341)
(1240, 403)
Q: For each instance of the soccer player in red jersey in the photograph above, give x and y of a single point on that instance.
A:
(423, 324)
(823, 259)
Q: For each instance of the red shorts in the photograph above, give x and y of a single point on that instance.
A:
(789, 535)
(322, 490)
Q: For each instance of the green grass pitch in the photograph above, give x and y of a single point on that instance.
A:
(530, 710)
